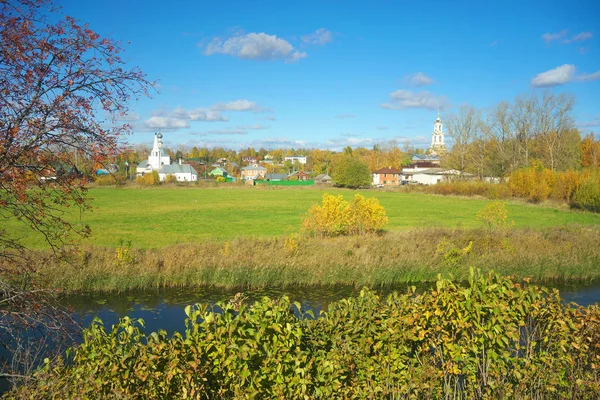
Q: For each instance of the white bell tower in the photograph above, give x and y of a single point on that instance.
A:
(437, 138)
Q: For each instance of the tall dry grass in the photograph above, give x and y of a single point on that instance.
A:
(392, 258)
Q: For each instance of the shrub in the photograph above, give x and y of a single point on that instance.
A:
(329, 219)
(495, 216)
(148, 179)
(170, 179)
(587, 195)
(566, 184)
(338, 217)
(490, 338)
(221, 179)
(106, 180)
(366, 216)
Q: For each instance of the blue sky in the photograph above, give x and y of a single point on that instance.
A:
(328, 74)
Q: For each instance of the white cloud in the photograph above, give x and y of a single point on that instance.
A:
(345, 116)
(495, 42)
(227, 132)
(402, 99)
(589, 124)
(240, 105)
(419, 79)
(582, 36)
(321, 36)
(554, 77)
(561, 75)
(255, 46)
(549, 37)
(198, 114)
(588, 77)
(254, 127)
(166, 123)
(180, 118)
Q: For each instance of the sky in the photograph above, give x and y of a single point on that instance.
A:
(329, 74)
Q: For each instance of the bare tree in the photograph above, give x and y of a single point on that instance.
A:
(462, 129)
(552, 121)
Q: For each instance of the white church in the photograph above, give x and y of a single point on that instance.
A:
(160, 161)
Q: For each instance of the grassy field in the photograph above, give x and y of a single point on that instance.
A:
(160, 217)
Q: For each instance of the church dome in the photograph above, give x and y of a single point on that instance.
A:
(160, 135)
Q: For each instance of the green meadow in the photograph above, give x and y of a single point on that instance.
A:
(160, 217)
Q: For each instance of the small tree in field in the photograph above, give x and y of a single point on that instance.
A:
(351, 173)
(58, 81)
(495, 216)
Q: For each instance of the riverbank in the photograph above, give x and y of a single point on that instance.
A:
(418, 255)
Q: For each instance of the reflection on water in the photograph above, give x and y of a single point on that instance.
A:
(164, 309)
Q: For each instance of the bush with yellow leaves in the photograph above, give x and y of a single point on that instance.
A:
(337, 217)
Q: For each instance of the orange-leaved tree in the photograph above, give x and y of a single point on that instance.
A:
(59, 82)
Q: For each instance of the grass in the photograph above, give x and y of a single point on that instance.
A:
(557, 254)
(162, 217)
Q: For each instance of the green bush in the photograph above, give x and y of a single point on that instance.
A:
(488, 339)
(587, 195)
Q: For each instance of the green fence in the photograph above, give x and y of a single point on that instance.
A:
(286, 183)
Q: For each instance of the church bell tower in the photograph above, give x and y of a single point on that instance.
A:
(437, 138)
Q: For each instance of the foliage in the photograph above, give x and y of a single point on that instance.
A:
(587, 195)
(151, 179)
(452, 255)
(110, 180)
(366, 216)
(123, 255)
(351, 173)
(61, 75)
(291, 245)
(171, 178)
(58, 82)
(490, 338)
(221, 179)
(337, 217)
(495, 216)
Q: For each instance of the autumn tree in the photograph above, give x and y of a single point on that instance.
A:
(351, 173)
(463, 129)
(58, 82)
(590, 149)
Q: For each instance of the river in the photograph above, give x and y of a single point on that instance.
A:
(164, 309)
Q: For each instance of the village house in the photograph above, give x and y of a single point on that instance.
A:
(276, 177)
(160, 161)
(300, 159)
(253, 172)
(322, 178)
(218, 171)
(299, 176)
(387, 176)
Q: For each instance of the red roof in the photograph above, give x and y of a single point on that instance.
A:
(387, 170)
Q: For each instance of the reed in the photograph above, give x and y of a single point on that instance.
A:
(418, 255)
